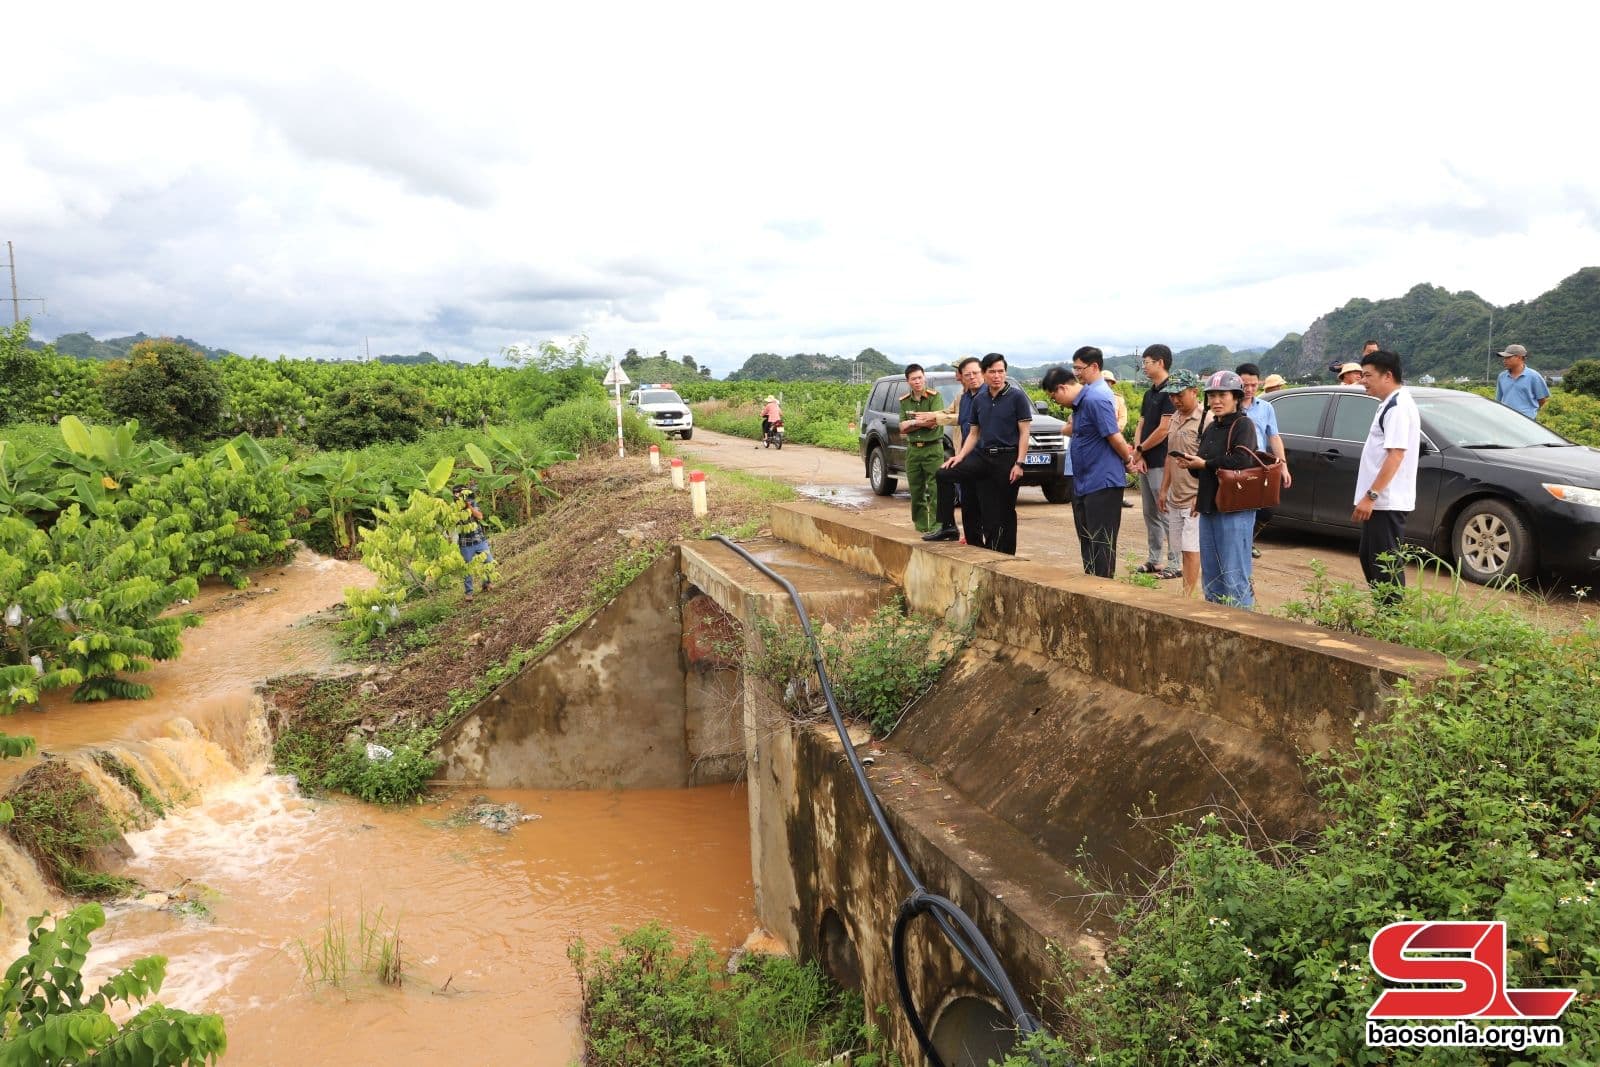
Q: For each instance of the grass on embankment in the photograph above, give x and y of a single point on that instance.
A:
(611, 519)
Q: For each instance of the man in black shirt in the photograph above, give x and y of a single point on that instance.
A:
(1150, 463)
(993, 451)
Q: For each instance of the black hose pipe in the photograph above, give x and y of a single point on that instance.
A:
(958, 927)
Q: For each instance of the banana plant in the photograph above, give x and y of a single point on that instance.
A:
(347, 489)
(26, 485)
(524, 467)
(101, 462)
(489, 481)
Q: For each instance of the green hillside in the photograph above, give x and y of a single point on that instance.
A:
(813, 367)
(1448, 334)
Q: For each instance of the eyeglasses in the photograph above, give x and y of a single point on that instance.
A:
(1080, 366)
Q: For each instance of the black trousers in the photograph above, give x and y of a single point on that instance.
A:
(951, 479)
(1381, 534)
(990, 477)
(1098, 518)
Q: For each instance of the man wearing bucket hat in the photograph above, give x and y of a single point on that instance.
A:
(1520, 388)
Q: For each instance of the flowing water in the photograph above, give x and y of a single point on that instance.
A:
(483, 918)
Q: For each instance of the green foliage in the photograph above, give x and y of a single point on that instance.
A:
(357, 414)
(1474, 800)
(646, 1002)
(397, 779)
(21, 373)
(413, 552)
(168, 387)
(89, 599)
(99, 462)
(27, 483)
(1583, 377)
(1574, 416)
(47, 1021)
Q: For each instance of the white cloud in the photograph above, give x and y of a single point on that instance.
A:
(725, 179)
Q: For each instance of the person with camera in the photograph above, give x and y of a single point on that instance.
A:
(1225, 536)
(470, 535)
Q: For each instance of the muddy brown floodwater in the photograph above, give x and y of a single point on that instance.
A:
(484, 919)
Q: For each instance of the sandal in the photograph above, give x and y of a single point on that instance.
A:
(1168, 572)
(1148, 568)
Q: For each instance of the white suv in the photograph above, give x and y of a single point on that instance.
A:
(665, 409)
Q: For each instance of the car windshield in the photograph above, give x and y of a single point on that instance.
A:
(1469, 421)
(659, 396)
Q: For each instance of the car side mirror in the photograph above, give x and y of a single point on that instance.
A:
(1041, 407)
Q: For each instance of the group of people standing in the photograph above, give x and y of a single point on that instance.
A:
(1188, 431)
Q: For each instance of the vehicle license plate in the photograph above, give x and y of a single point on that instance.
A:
(1036, 458)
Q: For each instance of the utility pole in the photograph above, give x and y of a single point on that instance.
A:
(16, 301)
(1488, 360)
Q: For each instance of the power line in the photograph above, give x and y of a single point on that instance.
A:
(16, 301)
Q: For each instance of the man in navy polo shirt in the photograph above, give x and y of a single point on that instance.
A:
(958, 413)
(992, 454)
(1100, 457)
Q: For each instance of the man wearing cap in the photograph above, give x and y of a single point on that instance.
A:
(1180, 487)
(1161, 529)
(924, 448)
(770, 413)
(1520, 388)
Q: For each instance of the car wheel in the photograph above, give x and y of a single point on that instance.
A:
(878, 472)
(688, 434)
(1057, 492)
(1491, 542)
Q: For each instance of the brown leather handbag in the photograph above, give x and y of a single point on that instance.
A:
(1253, 487)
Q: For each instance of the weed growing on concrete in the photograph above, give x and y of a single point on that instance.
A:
(879, 666)
(1475, 800)
(647, 1002)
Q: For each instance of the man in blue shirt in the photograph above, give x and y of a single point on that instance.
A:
(993, 451)
(1520, 388)
(1100, 457)
(1265, 418)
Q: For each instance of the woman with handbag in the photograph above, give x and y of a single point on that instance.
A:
(1227, 443)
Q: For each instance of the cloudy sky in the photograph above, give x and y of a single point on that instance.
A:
(928, 179)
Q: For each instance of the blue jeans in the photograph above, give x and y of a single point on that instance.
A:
(1225, 557)
(471, 550)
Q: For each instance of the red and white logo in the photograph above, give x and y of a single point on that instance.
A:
(1463, 966)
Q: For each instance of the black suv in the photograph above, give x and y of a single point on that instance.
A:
(883, 446)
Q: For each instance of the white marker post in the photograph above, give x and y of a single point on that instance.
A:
(617, 378)
(655, 458)
(697, 493)
(677, 474)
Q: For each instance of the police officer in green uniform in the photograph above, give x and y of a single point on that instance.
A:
(924, 450)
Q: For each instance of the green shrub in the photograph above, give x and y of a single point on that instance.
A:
(168, 387)
(362, 413)
(1583, 377)
(646, 1002)
(591, 422)
(47, 1021)
(60, 821)
(397, 779)
(535, 391)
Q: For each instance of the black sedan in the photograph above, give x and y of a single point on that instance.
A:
(1496, 492)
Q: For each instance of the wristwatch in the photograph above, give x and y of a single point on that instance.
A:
(1372, 494)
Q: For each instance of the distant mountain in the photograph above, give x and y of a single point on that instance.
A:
(84, 346)
(808, 367)
(1447, 334)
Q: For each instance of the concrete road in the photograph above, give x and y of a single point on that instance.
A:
(1045, 530)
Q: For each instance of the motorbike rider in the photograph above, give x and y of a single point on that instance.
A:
(771, 415)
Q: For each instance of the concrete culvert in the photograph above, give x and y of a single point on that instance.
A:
(971, 1032)
(838, 952)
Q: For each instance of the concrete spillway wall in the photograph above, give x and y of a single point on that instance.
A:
(1076, 702)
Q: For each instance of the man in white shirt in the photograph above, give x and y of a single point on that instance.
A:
(1386, 486)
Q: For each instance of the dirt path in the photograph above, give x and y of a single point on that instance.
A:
(1045, 530)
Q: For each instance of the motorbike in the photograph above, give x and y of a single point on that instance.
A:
(774, 437)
